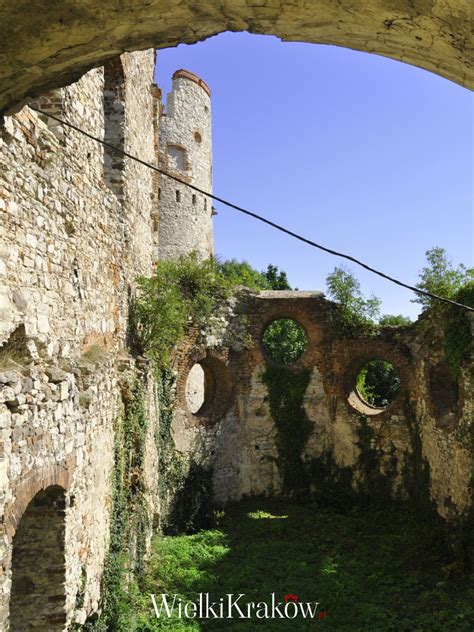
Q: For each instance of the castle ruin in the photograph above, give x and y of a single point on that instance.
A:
(79, 224)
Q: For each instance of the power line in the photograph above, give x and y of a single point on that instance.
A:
(260, 218)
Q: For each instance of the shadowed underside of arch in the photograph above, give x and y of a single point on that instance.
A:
(51, 44)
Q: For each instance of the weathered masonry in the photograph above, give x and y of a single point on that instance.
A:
(185, 216)
(56, 45)
(427, 426)
(79, 223)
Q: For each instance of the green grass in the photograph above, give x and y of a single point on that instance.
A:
(371, 571)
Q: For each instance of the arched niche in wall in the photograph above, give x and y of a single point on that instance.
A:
(38, 597)
(205, 388)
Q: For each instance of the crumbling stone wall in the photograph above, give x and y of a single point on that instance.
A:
(71, 248)
(77, 229)
(239, 426)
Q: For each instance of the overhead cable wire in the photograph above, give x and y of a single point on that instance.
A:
(256, 216)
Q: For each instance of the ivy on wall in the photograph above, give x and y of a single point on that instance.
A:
(286, 390)
(129, 516)
(177, 296)
(184, 486)
(457, 331)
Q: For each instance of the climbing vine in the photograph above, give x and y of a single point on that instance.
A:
(184, 486)
(374, 487)
(286, 389)
(457, 331)
(129, 518)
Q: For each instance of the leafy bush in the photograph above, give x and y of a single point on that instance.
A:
(394, 320)
(284, 341)
(457, 332)
(178, 294)
(242, 273)
(185, 292)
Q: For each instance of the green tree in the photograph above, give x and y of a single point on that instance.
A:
(242, 273)
(284, 341)
(277, 280)
(440, 277)
(394, 320)
(355, 309)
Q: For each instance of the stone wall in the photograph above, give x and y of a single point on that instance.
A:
(76, 231)
(78, 224)
(238, 424)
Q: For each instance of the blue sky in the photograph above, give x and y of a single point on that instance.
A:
(358, 152)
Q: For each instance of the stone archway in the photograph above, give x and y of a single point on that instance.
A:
(37, 598)
(56, 43)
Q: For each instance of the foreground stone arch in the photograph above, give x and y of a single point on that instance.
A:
(54, 44)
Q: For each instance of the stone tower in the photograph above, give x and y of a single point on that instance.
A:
(185, 150)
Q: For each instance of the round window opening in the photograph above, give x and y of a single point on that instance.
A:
(197, 137)
(284, 341)
(378, 384)
(199, 389)
(208, 389)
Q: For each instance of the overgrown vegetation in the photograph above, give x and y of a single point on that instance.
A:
(129, 519)
(440, 277)
(378, 383)
(358, 314)
(189, 292)
(184, 487)
(457, 331)
(285, 341)
(394, 320)
(381, 570)
(416, 471)
(242, 273)
(177, 295)
(286, 390)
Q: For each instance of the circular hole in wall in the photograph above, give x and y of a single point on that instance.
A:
(197, 137)
(284, 341)
(199, 391)
(208, 389)
(377, 386)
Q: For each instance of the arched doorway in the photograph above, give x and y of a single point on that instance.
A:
(37, 600)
